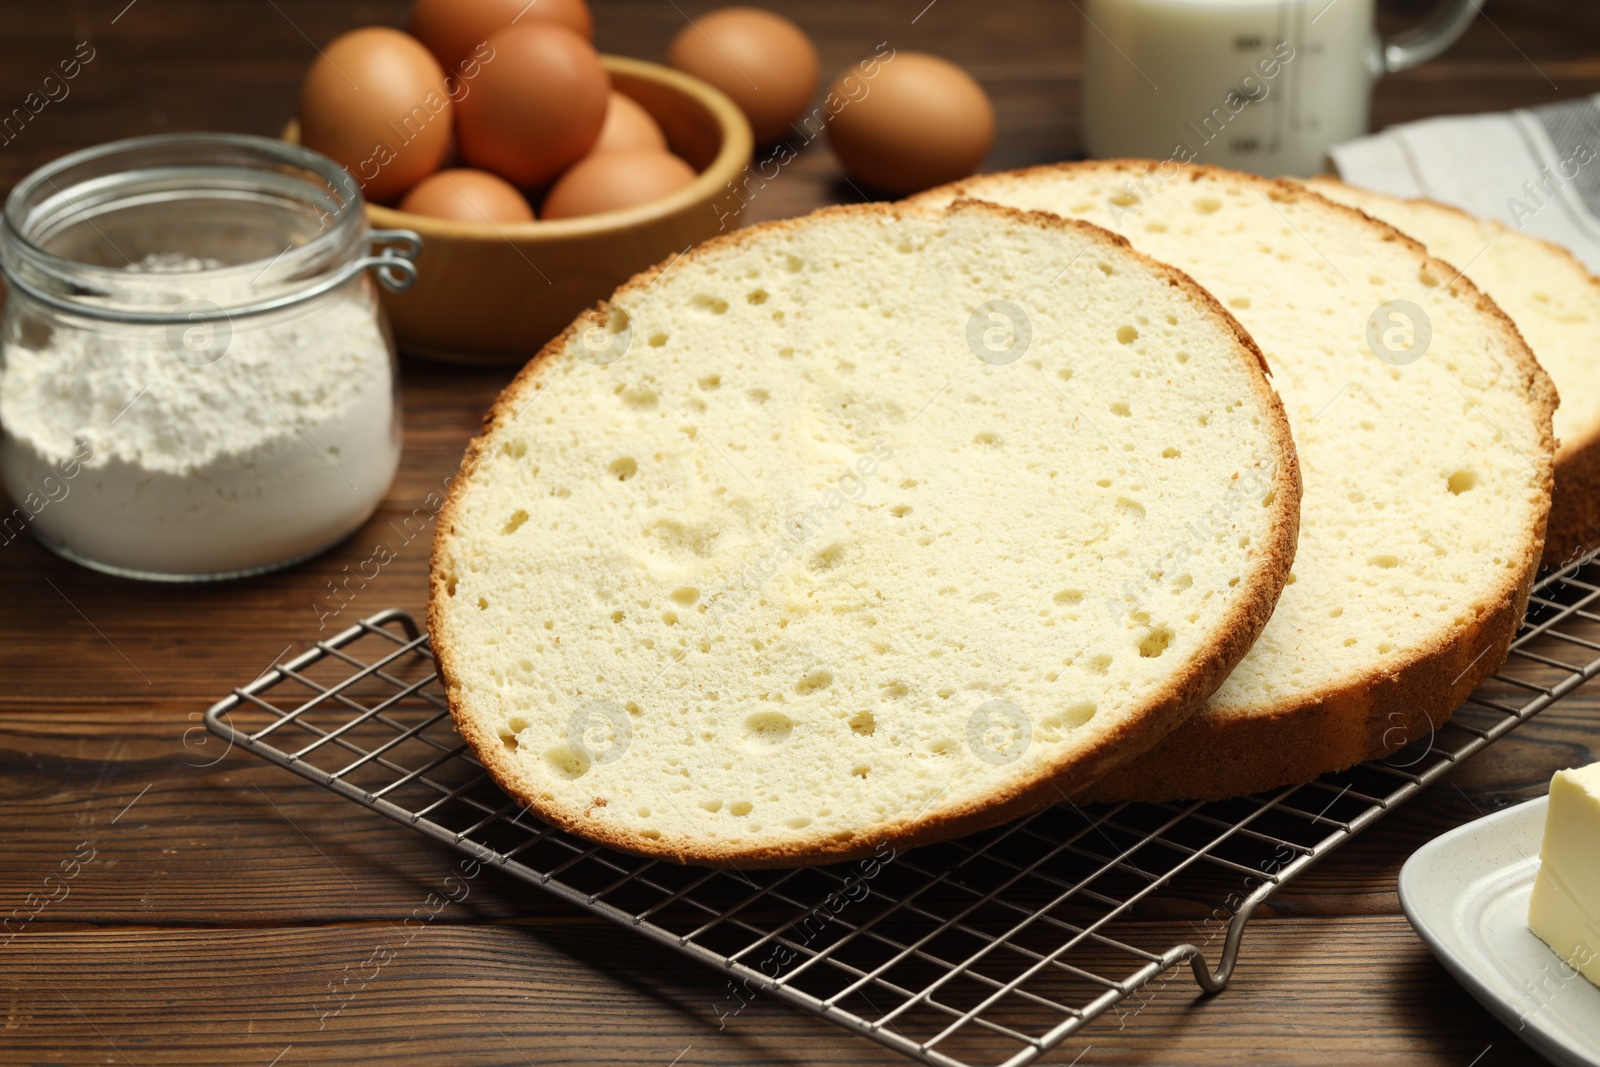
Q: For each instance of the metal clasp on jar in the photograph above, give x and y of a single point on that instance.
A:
(392, 253)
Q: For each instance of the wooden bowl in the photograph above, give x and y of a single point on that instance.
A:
(495, 293)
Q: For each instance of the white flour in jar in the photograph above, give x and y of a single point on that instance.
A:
(271, 453)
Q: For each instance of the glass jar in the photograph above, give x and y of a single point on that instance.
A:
(196, 378)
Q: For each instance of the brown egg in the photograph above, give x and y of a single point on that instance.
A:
(453, 29)
(467, 196)
(375, 101)
(536, 107)
(610, 181)
(909, 122)
(763, 61)
(628, 125)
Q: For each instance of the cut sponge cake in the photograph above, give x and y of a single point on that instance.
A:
(817, 540)
(1422, 423)
(1555, 302)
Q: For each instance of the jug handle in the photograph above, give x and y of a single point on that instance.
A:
(1421, 43)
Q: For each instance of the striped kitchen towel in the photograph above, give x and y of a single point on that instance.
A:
(1535, 169)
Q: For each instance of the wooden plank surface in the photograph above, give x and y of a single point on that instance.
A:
(559, 991)
(225, 895)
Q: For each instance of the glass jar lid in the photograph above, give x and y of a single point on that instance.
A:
(122, 231)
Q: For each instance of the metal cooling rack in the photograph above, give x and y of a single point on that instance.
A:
(987, 950)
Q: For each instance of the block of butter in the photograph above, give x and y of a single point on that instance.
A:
(1564, 910)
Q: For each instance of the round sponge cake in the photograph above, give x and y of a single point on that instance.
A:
(1423, 426)
(1555, 302)
(858, 531)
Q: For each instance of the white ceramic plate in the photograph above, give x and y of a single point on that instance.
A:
(1466, 893)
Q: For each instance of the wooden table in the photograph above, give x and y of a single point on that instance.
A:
(222, 900)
